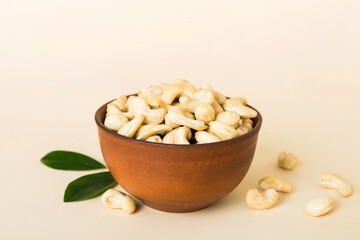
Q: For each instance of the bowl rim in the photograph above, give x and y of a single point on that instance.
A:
(249, 134)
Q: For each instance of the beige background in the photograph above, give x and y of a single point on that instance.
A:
(298, 62)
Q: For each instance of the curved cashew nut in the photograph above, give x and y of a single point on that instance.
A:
(230, 118)
(198, 98)
(175, 119)
(148, 130)
(320, 206)
(276, 183)
(219, 97)
(205, 112)
(130, 128)
(287, 160)
(112, 109)
(218, 109)
(155, 139)
(238, 105)
(171, 91)
(180, 109)
(115, 121)
(261, 202)
(115, 199)
(205, 137)
(179, 135)
(222, 130)
(138, 105)
(152, 95)
(333, 181)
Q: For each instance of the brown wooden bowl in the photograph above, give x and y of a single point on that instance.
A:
(177, 178)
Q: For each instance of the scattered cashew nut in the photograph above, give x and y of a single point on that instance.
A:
(115, 199)
(276, 183)
(320, 206)
(333, 181)
(287, 160)
(258, 201)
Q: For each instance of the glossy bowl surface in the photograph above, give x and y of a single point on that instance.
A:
(177, 178)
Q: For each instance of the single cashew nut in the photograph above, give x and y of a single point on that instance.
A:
(180, 109)
(112, 109)
(237, 105)
(276, 183)
(179, 135)
(115, 199)
(230, 118)
(258, 201)
(115, 121)
(219, 97)
(287, 160)
(205, 137)
(148, 130)
(222, 130)
(138, 105)
(171, 91)
(155, 139)
(198, 98)
(218, 109)
(175, 119)
(130, 128)
(152, 95)
(320, 206)
(333, 181)
(205, 112)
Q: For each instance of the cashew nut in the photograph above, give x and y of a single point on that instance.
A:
(112, 109)
(115, 199)
(138, 105)
(219, 97)
(180, 109)
(205, 112)
(198, 98)
(276, 183)
(320, 206)
(205, 137)
(230, 118)
(179, 135)
(222, 130)
(238, 105)
(152, 95)
(175, 119)
(115, 121)
(258, 201)
(171, 91)
(155, 139)
(333, 181)
(130, 128)
(218, 109)
(287, 160)
(148, 130)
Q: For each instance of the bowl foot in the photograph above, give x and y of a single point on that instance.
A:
(175, 208)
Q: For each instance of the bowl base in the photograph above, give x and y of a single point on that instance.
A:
(175, 208)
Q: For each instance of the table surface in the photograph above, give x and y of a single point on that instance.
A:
(296, 61)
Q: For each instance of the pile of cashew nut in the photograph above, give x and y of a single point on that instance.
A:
(272, 185)
(178, 113)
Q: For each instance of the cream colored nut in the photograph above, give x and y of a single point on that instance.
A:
(115, 121)
(129, 115)
(205, 112)
(276, 183)
(171, 91)
(287, 160)
(152, 95)
(180, 109)
(205, 137)
(246, 125)
(121, 101)
(218, 109)
(258, 201)
(137, 105)
(198, 98)
(230, 118)
(155, 139)
(148, 130)
(117, 200)
(320, 206)
(222, 130)
(112, 109)
(238, 105)
(130, 128)
(175, 119)
(179, 135)
(333, 181)
(219, 97)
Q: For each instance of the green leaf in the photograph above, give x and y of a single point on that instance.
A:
(88, 186)
(65, 160)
